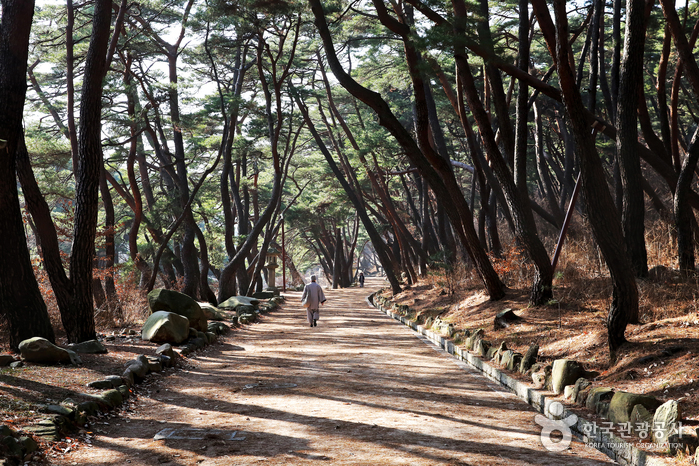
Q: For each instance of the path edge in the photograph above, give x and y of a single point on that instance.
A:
(614, 447)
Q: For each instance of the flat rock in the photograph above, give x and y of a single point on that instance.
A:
(234, 301)
(42, 351)
(88, 347)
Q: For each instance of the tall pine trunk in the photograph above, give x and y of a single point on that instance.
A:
(21, 303)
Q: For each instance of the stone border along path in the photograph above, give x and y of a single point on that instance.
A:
(356, 390)
(616, 448)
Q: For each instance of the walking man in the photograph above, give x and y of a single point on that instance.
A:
(312, 298)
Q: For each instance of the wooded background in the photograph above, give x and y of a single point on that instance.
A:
(164, 143)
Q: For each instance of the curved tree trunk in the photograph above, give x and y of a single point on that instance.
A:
(599, 205)
(434, 168)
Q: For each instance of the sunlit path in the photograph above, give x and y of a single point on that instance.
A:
(358, 389)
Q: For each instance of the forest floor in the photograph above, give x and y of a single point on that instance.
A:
(361, 389)
(661, 357)
(357, 389)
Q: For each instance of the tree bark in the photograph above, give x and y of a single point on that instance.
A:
(80, 323)
(630, 79)
(21, 303)
(337, 259)
(684, 216)
(522, 107)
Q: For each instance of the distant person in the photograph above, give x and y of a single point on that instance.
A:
(361, 280)
(312, 298)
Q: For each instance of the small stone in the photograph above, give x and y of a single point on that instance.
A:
(29, 445)
(514, 362)
(641, 417)
(125, 392)
(564, 372)
(483, 347)
(542, 376)
(5, 431)
(154, 364)
(505, 357)
(568, 391)
(12, 447)
(580, 385)
(89, 408)
(598, 399)
(529, 358)
(197, 342)
(505, 318)
(6, 359)
(666, 421)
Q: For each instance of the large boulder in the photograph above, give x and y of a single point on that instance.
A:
(179, 303)
(666, 421)
(565, 372)
(622, 403)
(234, 301)
(165, 327)
(41, 350)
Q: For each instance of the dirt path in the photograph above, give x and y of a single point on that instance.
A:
(358, 389)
